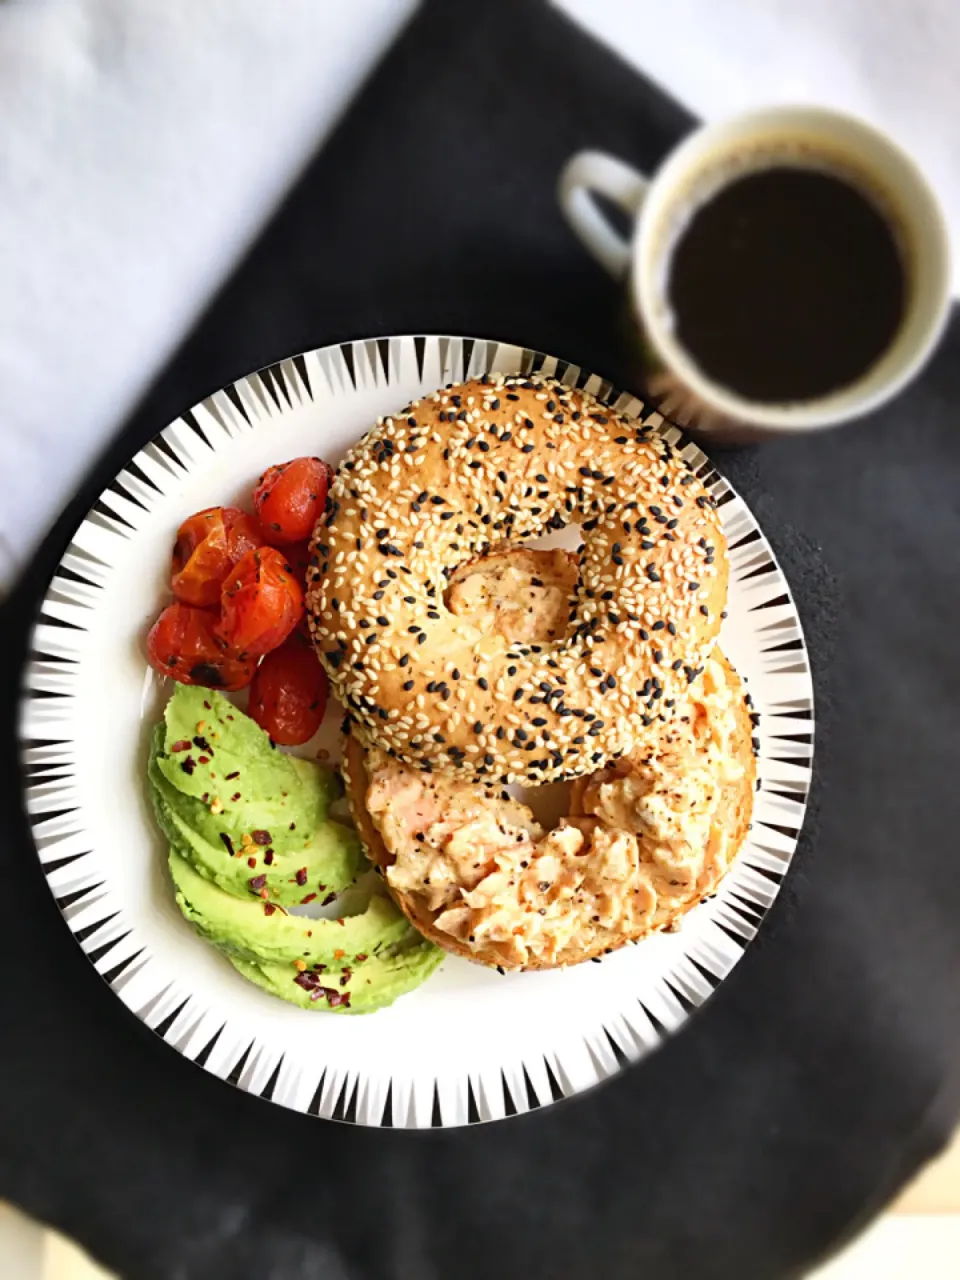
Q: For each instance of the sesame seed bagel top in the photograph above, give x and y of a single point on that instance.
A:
(488, 463)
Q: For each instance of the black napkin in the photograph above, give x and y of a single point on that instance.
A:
(822, 1071)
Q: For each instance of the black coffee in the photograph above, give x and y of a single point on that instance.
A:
(786, 285)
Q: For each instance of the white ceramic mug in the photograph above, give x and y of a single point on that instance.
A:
(760, 139)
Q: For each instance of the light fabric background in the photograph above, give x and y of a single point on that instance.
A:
(144, 142)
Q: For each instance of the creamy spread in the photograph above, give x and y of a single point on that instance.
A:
(522, 606)
(645, 837)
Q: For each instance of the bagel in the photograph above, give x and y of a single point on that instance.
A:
(477, 467)
(644, 840)
(504, 894)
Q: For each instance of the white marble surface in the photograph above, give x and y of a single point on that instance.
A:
(142, 144)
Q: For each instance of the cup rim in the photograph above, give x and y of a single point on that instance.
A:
(869, 391)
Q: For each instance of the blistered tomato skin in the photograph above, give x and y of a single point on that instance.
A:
(183, 644)
(208, 545)
(288, 695)
(290, 497)
(260, 604)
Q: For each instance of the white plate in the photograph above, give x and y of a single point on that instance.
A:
(470, 1044)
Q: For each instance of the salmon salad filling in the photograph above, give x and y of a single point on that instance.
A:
(643, 839)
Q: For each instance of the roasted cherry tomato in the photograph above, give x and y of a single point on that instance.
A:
(289, 498)
(288, 695)
(298, 558)
(261, 603)
(183, 644)
(208, 545)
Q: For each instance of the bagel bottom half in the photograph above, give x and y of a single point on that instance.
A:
(643, 841)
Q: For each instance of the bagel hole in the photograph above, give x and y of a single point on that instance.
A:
(549, 803)
(568, 538)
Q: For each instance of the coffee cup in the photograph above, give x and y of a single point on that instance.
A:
(787, 269)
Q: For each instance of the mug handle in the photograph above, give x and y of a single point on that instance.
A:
(585, 173)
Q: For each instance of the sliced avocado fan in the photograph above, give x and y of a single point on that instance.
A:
(259, 932)
(326, 859)
(249, 836)
(362, 988)
(212, 753)
(264, 831)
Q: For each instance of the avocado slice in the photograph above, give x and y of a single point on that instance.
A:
(325, 859)
(372, 985)
(212, 753)
(225, 798)
(256, 932)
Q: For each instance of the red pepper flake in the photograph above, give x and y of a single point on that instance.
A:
(207, 705)
(183, 745)
(229, 777)
(257, 883)
(227, 842)
(340, 920)
(188, 765)
(328, 899)
(268, 908)
(251, 862)
(205, 797)
(260, 837)
(338, 955)
(336, 998)
(360, 957)
(293, 826)
(309, 898)
(320, 968)
(235, 797)
(202, 744)
(302, 876)
(264, 893)
(203, 760)
(268, 858)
